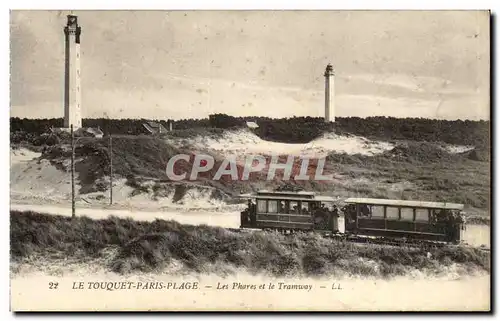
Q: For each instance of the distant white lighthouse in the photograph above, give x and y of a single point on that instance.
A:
(329, 94)
(72, 77)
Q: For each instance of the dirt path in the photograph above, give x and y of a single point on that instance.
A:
(222, 219)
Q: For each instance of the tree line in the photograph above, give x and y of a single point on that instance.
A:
(291, 130)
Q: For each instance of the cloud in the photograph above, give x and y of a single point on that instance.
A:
(272, 58)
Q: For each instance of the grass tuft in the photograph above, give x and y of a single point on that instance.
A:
(151, 246)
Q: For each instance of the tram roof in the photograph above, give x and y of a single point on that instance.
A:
(287, 195)
(421, 204)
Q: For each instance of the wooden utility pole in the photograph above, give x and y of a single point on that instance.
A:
(72, 173)
(110, 169)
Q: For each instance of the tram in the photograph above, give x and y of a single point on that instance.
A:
(371, 217)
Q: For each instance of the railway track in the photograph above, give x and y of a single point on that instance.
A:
(401, 242)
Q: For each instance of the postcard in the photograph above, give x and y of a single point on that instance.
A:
(286, 160)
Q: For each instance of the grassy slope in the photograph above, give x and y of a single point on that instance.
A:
(428, 173)
(150, 246)
(414, 170)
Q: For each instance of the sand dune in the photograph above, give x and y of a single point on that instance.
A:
(245, 142)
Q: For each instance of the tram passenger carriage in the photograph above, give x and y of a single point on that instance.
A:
(433, 221)
(417, 220)
(289, 210)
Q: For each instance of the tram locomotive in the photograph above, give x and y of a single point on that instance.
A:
(362, 217)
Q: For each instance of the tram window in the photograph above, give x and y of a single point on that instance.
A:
(434, 215)
(294, 207)
(272, 206)
(439, 215)
(422, 215)
(377, 211)
(364, 210)
(392, 212)
(407, 214)
(261, 206)
(282, 207)
(304, 208)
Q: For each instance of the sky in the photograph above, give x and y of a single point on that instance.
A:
(189, 64)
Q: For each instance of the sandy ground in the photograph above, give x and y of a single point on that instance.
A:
(37, 181)
(33, 179)
(398, 294)
(196, 197)
(456, 149)
(244, 142)
(22, 155)
(477, 235)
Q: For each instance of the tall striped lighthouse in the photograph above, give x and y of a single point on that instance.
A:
(72, 76)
